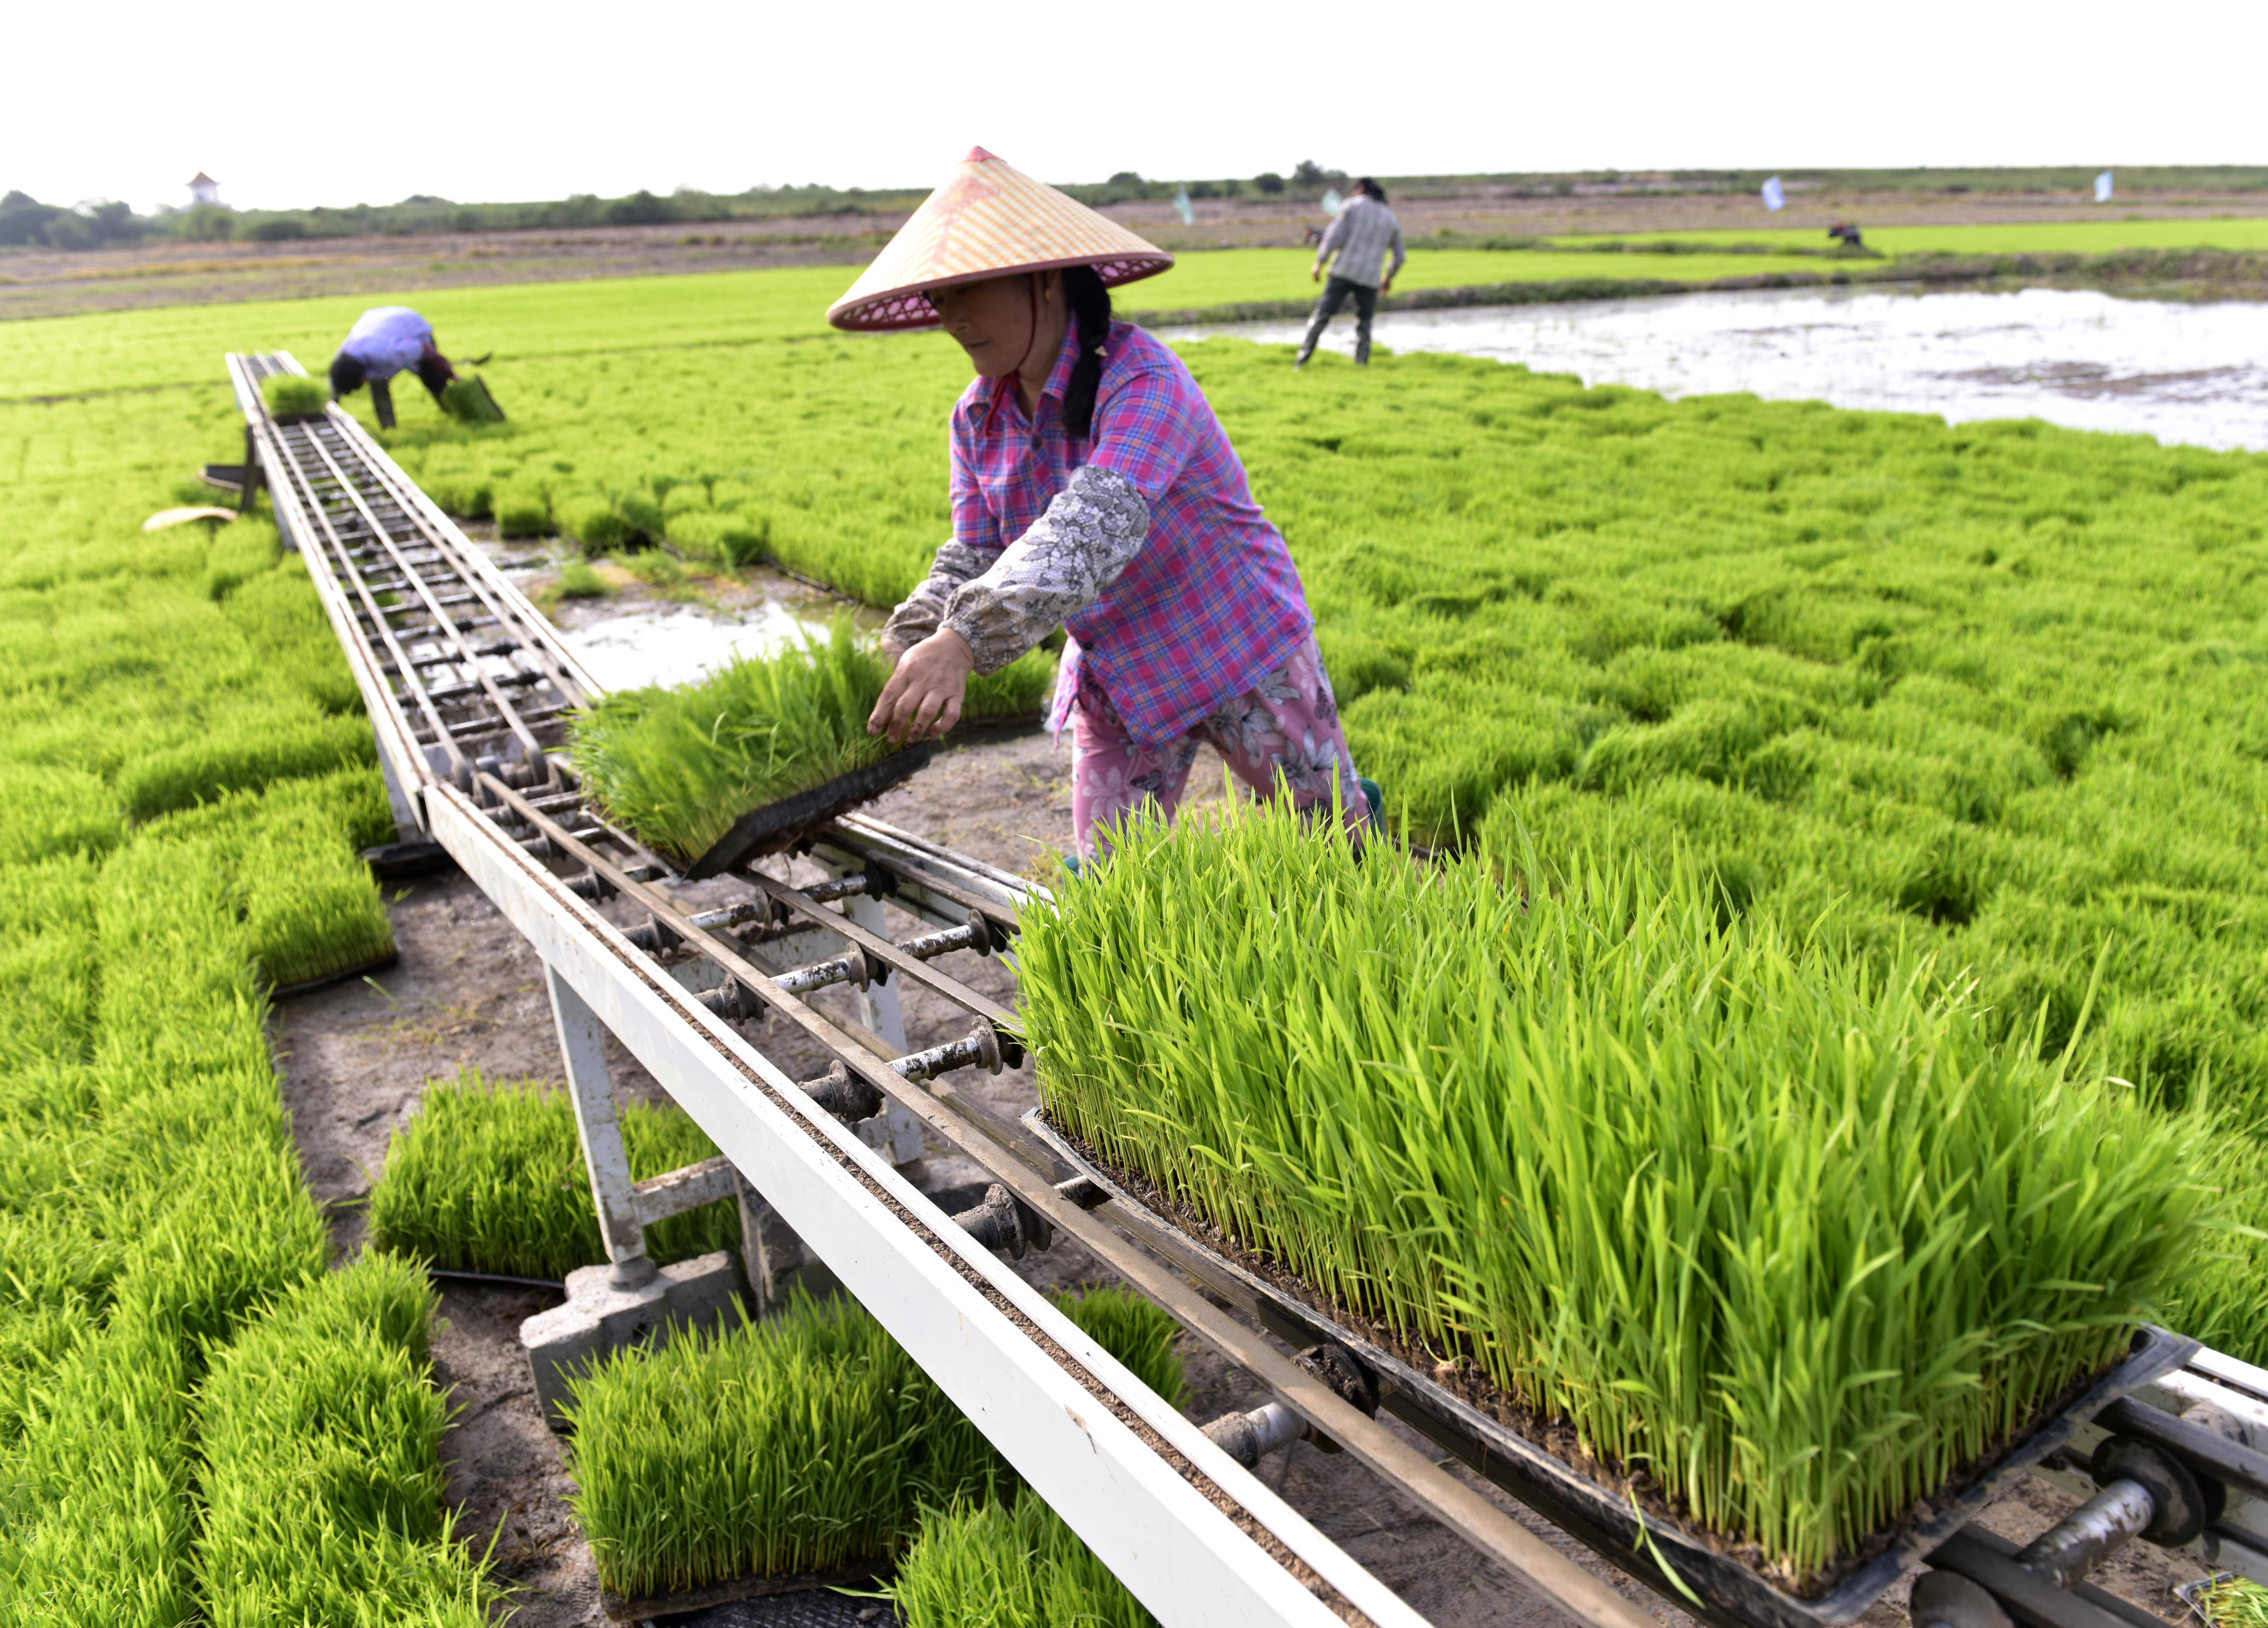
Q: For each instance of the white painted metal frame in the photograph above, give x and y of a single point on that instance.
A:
(1199, 1541)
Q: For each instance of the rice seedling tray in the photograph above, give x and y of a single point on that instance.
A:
(1539, 1463)
(792, 1590)
(783, 824)
(308, 986)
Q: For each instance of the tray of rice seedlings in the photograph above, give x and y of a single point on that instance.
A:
(291, 397)
(790, 1454)
(470, 401)
(1748, 1258)
(749, 761)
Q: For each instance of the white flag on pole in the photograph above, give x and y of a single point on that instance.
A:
(1774, 198)
(1183, 207)
(2102, 188)
(1333, 204)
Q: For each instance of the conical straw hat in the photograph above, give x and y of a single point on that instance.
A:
(989, 219)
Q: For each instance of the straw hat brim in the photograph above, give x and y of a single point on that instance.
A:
(989, 220)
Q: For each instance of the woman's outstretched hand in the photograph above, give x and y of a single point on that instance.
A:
(924, 695)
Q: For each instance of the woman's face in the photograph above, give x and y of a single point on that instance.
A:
(993, 320)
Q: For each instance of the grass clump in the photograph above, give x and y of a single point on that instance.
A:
(1003, 1566)
(808, 1442)
(330, 1394)
(2236, 1603)
(1775, 1225)
(679, 766)
(490, 1178)
(467, 401)
(294, 395)
(805, 1443)
(579, 579)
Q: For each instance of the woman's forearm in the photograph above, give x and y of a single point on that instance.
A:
(924, 609)
(1069, 559)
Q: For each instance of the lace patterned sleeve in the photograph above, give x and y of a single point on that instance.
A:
(917, 618)
(1063, 565)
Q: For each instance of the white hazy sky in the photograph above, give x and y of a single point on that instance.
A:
(481, 101)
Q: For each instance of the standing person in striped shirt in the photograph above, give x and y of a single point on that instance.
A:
(1364, 230)
(1094, 490)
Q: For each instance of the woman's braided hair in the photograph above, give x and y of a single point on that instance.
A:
(1090, 309)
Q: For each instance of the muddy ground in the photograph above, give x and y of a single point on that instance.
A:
(40, 282)
(468, 993)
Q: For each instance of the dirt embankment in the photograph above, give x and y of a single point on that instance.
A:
(38, 281)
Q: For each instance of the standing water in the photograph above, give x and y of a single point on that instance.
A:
(2194, 373)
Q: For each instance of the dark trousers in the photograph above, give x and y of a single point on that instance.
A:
(382, 397)
(1335, 290)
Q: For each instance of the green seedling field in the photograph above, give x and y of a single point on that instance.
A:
(807, 1443)
(1771, 1222)
(1985, 692)
(197, 1423)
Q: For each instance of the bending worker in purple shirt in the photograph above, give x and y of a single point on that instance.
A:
(1364, 230)
(1093, 489)
(383, 341)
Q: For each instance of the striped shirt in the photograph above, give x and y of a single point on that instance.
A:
(386, 339)
(1364, 230)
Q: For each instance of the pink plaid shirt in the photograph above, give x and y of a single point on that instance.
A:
(1212, 604)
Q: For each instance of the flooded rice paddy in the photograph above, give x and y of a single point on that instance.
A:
(2194, 373)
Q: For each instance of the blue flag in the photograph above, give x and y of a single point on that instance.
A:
(2102, 188)
(1333, 204)
(1183, 207)
(1774, 198)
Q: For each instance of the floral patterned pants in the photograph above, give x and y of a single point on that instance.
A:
(1286, 728)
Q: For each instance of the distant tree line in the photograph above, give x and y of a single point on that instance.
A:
(26, 222)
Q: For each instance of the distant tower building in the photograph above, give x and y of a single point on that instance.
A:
(203, 189)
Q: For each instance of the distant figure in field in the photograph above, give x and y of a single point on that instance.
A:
(383, 341)
(1364, 230)
(1847, 234)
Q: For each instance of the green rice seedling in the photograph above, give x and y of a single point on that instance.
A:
(249, 755)
(594, 522)
(1133, 1330)
(1021, 689)
(577, 580)
(45, 811)
(680, 766)
(467, 401)
(1780, 1224)
(237, 553)
(730, 540)
(492, 1179)
(291, 396)
(686, 498)
(807, 1442)
(644, 515)
(521, 511)
(1000, 1566)
(2235, 1603)
(312, 909)
(656, 568)
(277, 614)
(322, 1487)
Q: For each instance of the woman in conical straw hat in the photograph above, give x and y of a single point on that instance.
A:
(1093, 489)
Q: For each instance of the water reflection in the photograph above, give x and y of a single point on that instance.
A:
(2195, 373)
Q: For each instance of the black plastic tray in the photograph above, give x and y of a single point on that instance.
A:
(1732, 1595)
(783, 824)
